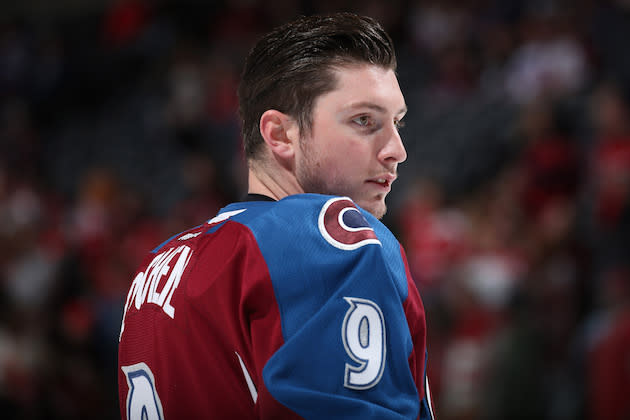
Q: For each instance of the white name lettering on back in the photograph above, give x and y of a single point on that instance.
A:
(144, 288)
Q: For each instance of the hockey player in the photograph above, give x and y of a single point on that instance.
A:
(297, 302)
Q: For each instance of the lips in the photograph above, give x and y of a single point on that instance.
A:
(384, 181)
(380, 181)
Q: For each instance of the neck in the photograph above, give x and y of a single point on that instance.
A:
(272, 182)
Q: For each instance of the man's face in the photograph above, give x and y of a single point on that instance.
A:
(354, 147)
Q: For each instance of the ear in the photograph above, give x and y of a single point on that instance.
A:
(280, 132)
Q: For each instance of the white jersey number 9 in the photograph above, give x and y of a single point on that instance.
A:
(363, 334)
(143, 402)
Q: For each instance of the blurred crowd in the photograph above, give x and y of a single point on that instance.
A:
(118, 129)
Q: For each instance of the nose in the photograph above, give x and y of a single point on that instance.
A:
(393, 150)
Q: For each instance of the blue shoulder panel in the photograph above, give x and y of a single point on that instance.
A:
(340, 284)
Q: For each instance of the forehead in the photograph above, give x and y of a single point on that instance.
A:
(361, 85)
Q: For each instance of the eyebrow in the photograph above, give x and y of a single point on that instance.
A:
(375, 107)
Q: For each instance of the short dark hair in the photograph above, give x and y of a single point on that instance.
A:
(291, 66)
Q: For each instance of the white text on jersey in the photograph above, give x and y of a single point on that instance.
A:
(144, 286)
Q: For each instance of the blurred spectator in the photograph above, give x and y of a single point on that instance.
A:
(435, 235)
(550, 62)
(611, 156)
(436, 25)
(608, 360)
(186, 109)
(14, 58)
(463, 364)
(533, 373)
(549, 159)
(203, 196)
(535, 348)
(498, 256)
(124, 21)
(20, 146)
(442, 31)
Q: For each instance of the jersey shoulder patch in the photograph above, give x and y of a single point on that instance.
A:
(343, 226)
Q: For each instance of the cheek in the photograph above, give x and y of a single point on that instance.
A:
(340, 156)
(345, 172)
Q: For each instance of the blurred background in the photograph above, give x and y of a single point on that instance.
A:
(118, 129)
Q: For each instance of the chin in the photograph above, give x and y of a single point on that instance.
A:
(378, 210)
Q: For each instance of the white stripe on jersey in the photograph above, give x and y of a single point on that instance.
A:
(428, 396)
(248, 379)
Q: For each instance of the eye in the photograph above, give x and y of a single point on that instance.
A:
(363, 121)
(399, 124)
